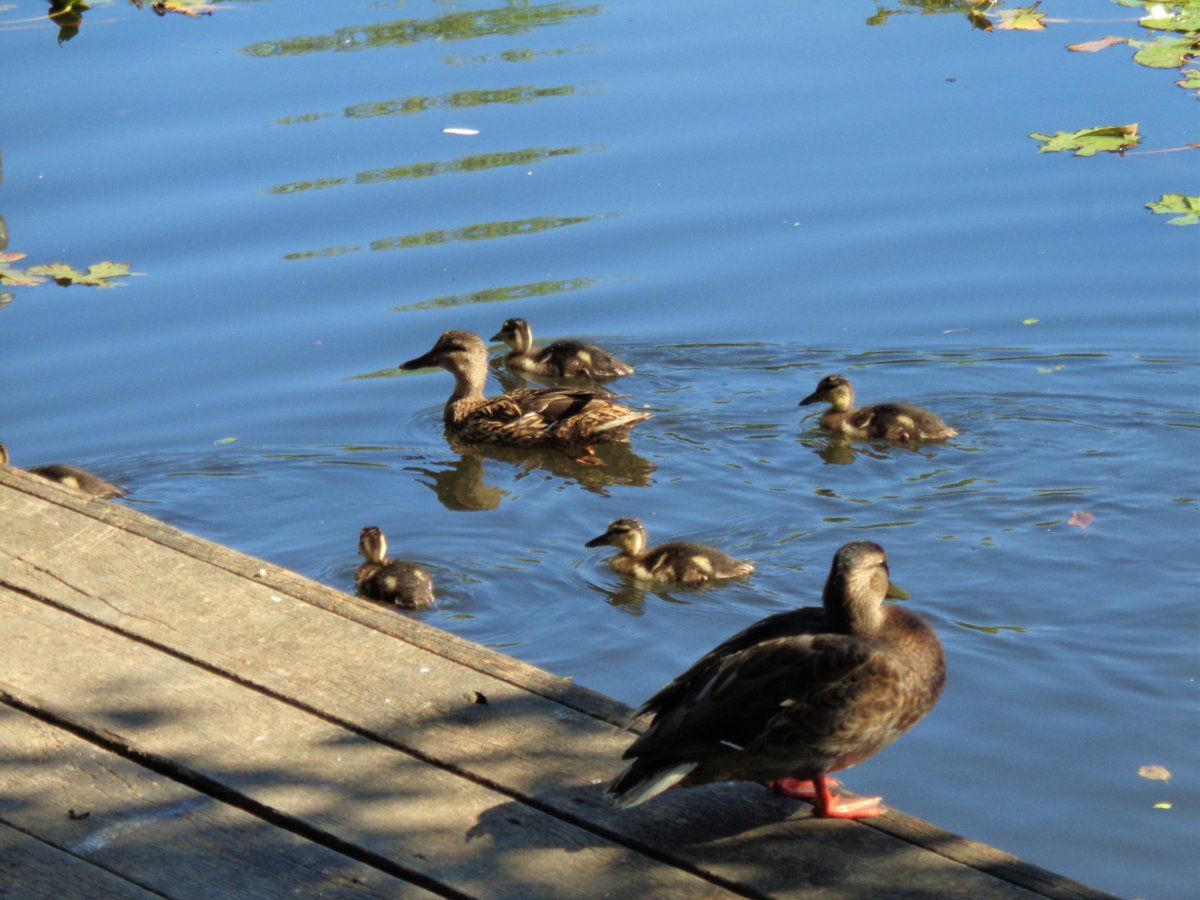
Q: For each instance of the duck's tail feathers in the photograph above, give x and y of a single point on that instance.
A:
(636, 785)
(624, 421)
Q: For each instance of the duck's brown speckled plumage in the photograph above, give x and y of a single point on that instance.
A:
(683, 562)
(563, 359)
(886, 421)
(72, 477)
(404, 583)
(531, 417)
(795, 696)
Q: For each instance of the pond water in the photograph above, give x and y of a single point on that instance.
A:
(738, 200)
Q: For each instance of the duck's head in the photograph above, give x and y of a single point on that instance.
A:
(858, 582)
(516, 333)
(372, 544)
(627, 535)
(3, 454)
(834, 389)
(455, 351)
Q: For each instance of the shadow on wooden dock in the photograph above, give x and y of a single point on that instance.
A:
(178, 719)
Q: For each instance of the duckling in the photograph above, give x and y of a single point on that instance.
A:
(679, 561)
(561, 358)
(72, 477)
(403, 583)
(889, 421)
(529, 417)
(796, 696)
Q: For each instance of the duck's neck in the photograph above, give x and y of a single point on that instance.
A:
(468, 392)
(849, 608)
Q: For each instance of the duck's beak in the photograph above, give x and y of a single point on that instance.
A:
(598, 541)
(421, 362)
(498, 336)
(811, 398)
(896, 592)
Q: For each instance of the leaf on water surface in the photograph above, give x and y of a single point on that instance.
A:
(1090, 141)
(18, 277)
(97, 275)
(1165, 52)
(1049, 370)
(1185, 18)
(1097, 45)
(1162, 805)
(1155, 773)
(224, 440)
(1081, 518)
(1024, 18)
(1030, 321)
(1190, 80)
(1185, 209)
(191, 8)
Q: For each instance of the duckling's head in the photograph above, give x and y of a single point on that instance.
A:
(372, 545)
(516, 333)
(455, 351)
(627, 535)
(858, 582)
(3, 454)
(834, 389)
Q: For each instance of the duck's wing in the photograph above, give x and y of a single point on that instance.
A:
(730, 699)
(769, 695)
(549, 406)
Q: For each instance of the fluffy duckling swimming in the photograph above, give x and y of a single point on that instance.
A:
(72, 477)
(795, 696)
(889, 421)
(679, 561)
(529, 417)
(403, 583)
(561, 358)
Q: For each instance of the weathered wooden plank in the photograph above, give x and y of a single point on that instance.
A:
(96, 806)
(33, 870)
(420, 819)
(539, 738)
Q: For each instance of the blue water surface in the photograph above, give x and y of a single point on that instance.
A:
(739, 199)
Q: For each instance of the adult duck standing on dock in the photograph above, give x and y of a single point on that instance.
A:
(562, 418)
(796, 696)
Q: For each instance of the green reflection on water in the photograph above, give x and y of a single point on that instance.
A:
(407, 106)
(514, 18)
(993, 629)
(502, 294)
(436, 237)
(477, 163)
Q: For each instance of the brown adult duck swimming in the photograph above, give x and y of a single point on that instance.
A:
(679, 561)
(72, 477)
(796, 696)
(530, 417)
(563, 359)
(887, 421)
(404, 583)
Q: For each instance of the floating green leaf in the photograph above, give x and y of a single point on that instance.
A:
(1090, 141)
(18, 277)
(1184, 19)
(1190, 80)
(1165, 52)
(1024, 18)
(1029, 321)
(98, 275)
(1185, 209)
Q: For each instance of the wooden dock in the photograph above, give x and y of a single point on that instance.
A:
(181, 720)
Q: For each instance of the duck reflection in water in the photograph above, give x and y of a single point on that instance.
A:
(461, 485)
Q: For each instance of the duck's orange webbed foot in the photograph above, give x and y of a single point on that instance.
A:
(825, 805)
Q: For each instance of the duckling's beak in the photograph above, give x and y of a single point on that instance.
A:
(811, 398)
(421, 362)
(897, 593)
(498, 336)
(598, 541)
